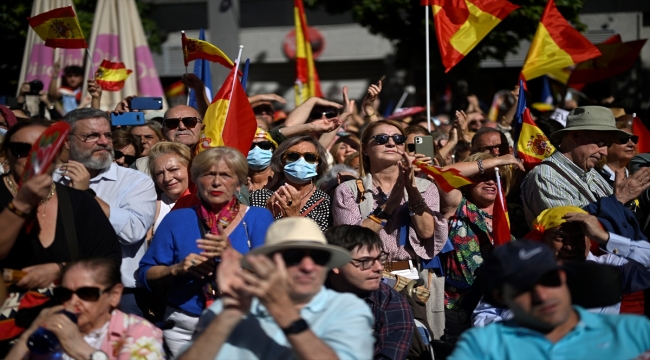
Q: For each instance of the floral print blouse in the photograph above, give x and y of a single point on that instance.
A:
(132, 337)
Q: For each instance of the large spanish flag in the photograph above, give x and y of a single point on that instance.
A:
(229, 120)
(447, 180)
(500, 220)
(111, 75)
(531, 145)
(59, 28)
(199, 49)
(307, 83)
(462, 24)
(556, 45)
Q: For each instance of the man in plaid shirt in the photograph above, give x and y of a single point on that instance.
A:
(394, 325)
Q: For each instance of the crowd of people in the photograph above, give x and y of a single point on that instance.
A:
(325, 240)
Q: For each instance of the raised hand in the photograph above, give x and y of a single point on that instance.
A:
(78, 174)
(124, 105)
(213, 245)
(630, 188)
(195, 265)
(94, 89)
(590, 226)
(368, 102)
(32, 192)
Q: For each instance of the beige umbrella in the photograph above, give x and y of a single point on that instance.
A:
(118, 35)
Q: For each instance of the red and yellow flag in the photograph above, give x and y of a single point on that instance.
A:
(307, 83)
(462, 24)
(556, 45)
(111, 76)
(500, 219)
(447, 180)
(175, 89)
(617, 57)
(59, 28)
(229, 120)
(198, 49)
(531, 145)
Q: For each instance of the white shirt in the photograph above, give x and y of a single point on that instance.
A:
(166, 205)
(612, 174)
(132, 198)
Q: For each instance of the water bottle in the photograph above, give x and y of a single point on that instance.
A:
(44, 342)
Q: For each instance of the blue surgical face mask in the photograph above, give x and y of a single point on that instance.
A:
(300, 171)
(3, 132)
(259, 159)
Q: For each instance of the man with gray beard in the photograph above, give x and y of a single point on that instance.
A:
(127, 196)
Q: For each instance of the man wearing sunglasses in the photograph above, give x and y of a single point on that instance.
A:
(127, 196)
(492, 141)
(277, 308)
(182, 124)
(394, 324)
(524, 275)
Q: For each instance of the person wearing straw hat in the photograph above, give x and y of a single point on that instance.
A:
(276, 307)
(568, 176)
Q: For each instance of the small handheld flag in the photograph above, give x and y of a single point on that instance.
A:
(59, 28)
(45, 150)
(447, 180)
(531, 144)
(111, 76)
(194, 49)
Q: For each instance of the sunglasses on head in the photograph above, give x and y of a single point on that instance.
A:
(634, 138)
(264, 145)
(86, 293)
(382, 139)
(128, 159)
(294, 257)
(292, 156)
(189, 122)
(315, 115)
(19, 149)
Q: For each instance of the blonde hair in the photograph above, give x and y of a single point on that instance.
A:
(364, 161)
(169, 148)
(505, 171)
(204, 161)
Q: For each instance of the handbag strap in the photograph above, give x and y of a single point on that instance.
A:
(309, 209)
(67, 217)
(584, 192)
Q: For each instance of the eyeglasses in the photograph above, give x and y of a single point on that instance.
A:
(368, 262)
(315, 115)
(86, 293)
(19, 149)
(382, 139)
(294, 257)
(94, 137)
(503, 149)
(292, 156)
(625, 140)
(128, 159)
(189, 122)
(264, 145)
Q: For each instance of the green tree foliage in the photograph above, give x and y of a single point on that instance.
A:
(402, 22)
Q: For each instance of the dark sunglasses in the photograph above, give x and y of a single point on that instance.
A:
(263, 110)
(382, 139)
(294, 257)
(189, 122)
(292, 156)
(315, 115)
(634, 138)
(128, 159)
(264, 145)
(19, 149)
(86, 293)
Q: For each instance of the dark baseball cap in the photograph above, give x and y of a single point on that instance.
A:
(520, 263)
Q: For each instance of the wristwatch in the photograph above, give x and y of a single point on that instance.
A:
(296, 327)
(380, 213)
(98, 355)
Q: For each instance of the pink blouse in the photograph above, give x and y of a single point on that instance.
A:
(132, 337)
(345, 210)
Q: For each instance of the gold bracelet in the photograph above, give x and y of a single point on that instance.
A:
(14, 210)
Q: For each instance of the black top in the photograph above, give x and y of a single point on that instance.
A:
(95, 234)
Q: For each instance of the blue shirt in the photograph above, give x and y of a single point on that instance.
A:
(176, 238)
(342, 321)
(597, 336)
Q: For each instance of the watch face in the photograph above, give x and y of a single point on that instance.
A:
(98, 355)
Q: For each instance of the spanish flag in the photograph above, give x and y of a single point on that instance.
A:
(175, 89)
(198, 49)
(307, 83)
(531, 145)
(229, 120)
(59, 28)
(500, 220)
(556, 45)
(462, 24)
(447, 180)
(112, 75)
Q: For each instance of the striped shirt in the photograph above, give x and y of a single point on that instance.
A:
(544, 188)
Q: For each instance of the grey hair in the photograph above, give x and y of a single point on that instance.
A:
(85, 113)
(334, 171)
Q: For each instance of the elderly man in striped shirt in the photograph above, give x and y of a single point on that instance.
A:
(568, 176)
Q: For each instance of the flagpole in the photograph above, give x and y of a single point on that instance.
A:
(496, 172)
(426, 22)
(401, 101)
(90, 63)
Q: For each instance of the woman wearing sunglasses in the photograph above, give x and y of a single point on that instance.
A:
(91, 289)
(619, 155)
(39, 217)
(127, 148)
(299, 162)
(186, 265)
(260, 173)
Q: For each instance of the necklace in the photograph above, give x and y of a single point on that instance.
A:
(14, 190)
(308, 192)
